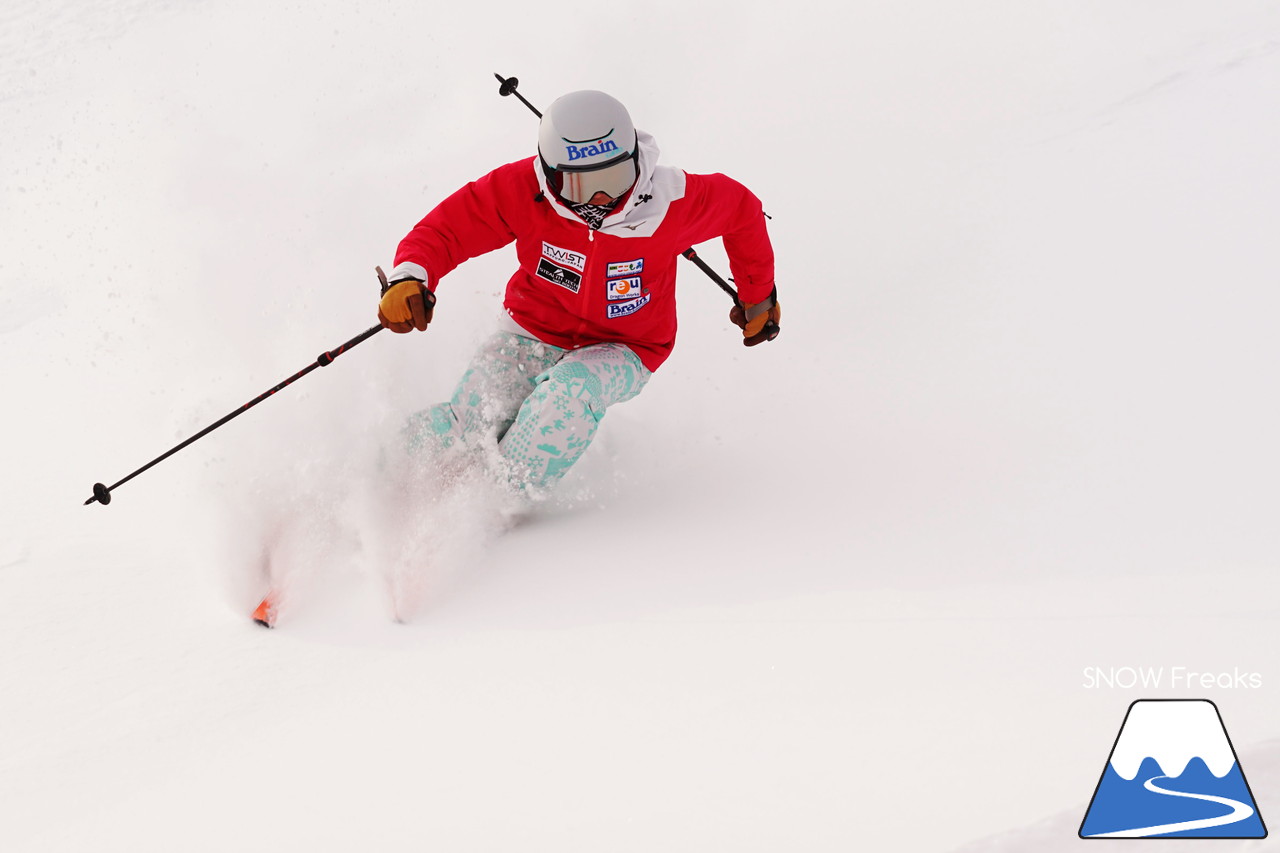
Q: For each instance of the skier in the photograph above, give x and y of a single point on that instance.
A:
(591, 312)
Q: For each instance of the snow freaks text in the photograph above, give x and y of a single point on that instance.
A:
(1171, 677)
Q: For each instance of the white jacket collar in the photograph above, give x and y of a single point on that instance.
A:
(643, 211)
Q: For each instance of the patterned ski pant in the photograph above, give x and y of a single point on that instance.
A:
(541, 404)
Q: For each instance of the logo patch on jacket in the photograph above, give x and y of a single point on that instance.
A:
(568, 279)
(624, 288)
(625, 267)
(626, 309)
(565, 257)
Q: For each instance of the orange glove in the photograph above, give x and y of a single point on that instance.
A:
(407, 305)
(757, 320)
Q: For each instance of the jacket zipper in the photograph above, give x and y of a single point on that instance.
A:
(586, 294)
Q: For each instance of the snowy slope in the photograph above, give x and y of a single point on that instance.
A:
(836, 592)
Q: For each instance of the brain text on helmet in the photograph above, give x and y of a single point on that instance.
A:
(604, 146)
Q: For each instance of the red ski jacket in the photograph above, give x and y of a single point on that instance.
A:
(577, 286)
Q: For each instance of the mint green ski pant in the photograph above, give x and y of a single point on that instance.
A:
(541, 404)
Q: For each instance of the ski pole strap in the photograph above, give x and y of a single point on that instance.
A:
(762, 307)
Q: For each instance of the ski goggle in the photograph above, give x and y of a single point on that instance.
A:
(580, 185)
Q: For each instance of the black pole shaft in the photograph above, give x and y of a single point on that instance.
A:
(102, 493)
(712, 274)
(508, 87)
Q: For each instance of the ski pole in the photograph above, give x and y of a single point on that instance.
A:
(102, 493)
(712, 274)
(508, 86)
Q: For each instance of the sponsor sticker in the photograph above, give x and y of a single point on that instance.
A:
(579, 149)
(565, 257)
(624, 288)
(624, 267)
(626, 309)
(568, 279)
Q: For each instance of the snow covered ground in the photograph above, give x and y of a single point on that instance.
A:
(838, 592)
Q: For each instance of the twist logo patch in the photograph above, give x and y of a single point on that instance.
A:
(564, 257)
(568, 279)
(1172, 773)
(625, 268)
(624, 288)
(626, 309)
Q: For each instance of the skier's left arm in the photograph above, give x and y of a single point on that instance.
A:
(729, 210)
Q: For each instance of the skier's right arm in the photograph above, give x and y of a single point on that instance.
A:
(466, 224)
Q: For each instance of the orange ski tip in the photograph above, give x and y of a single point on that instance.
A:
(265, 615)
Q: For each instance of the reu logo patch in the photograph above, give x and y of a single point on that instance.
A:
(624, 288)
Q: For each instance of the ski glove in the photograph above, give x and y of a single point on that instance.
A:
(407, 305)
(757, 320)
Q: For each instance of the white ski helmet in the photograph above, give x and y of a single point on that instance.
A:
(587, 144)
